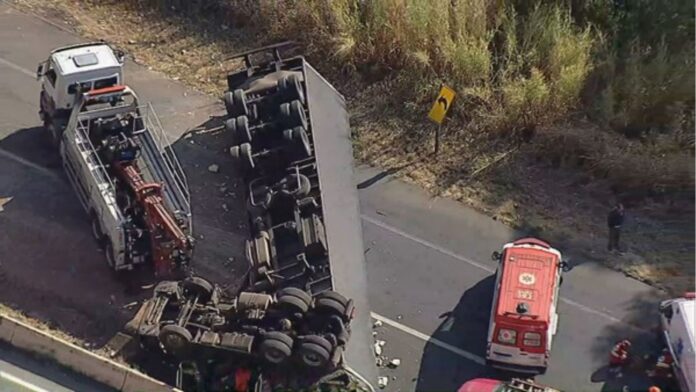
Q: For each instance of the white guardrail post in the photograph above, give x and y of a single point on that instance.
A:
(101, 369)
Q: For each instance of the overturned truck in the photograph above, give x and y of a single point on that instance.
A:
(301, 319)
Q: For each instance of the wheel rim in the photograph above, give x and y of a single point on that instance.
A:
(275, 355)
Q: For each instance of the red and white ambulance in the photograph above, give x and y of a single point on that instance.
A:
(524, 315)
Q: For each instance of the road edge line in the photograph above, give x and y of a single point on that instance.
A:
(104, 370)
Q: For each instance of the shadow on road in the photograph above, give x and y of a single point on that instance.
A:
(464, 327)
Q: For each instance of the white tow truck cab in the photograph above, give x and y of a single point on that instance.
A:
(524, 315)
(677, 322)
(71, 70)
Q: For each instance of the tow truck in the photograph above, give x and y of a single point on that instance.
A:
(112, 149)
(301, 319)
(524, 315)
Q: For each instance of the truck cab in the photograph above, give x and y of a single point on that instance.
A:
(70, 71)
(677, 322)
(524, 315)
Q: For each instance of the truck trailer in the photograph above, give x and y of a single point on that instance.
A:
(301, 320)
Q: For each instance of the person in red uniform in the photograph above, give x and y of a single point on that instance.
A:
(619, 356)
(663, 366)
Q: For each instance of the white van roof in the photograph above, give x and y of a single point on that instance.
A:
(84, 58)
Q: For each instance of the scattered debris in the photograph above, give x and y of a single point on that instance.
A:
(399, 317)
(377, 324)
(3, 201)
(394, 363)
(213, 168)
(130, 305)
(382, 382)
(378, 349)
(223, 189)
(381, 343)
(192, 141)
(201, 236)
(224, 207)
(379, 361)
(374, 333)
(131, 41)
(147, 286)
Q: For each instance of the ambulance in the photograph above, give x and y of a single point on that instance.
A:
(524, 315)
(677, 322)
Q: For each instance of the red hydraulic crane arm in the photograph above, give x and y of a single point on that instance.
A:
(166, 236)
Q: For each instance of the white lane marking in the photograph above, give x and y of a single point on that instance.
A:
(18, 159)
(22, 383)
(425, 243)
(17, 68)
(429, 339)
(486, 268)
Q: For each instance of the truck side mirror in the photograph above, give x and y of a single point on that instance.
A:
(495, 256)
(39, 71)
(565, 267)
(120, 56)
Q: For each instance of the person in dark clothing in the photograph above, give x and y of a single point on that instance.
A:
(615, 221)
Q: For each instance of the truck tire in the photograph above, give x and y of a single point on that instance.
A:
(97, 232)
(293, 114)
(276, 347)
(235, 103)
(109, 254)
(299, 136)
(197, 286)
(315, 351)
(294, 299)
(331, 302)
(290, 88)
(246, 156)
(291, 188)
(174, 338)
(239, 128)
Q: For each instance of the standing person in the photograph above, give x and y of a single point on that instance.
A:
(615, 220)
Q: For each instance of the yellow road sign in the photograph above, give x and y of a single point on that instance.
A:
(442, 104)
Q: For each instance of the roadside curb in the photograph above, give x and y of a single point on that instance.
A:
(108, 372)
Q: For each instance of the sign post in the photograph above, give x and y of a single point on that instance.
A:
(440, 108)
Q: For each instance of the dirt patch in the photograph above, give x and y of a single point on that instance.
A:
(541, 195)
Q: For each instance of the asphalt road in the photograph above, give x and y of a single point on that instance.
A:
(20, 372)
(429, 267)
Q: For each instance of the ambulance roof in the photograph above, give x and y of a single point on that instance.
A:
(85, 58)
(528, 277)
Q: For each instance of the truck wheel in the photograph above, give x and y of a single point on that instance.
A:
(290, 88)
(302, 139)
(315, 351)
(239, 128)
(246, 156)
(239, 102)
(109, 254)
(174, 338)
(96, 229)
(235, 152)
(295, 299)
(197, 286)
(296, 185)
(331, 302)
(293, 114)
(276, 347)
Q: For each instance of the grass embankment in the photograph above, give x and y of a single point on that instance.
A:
(560, 109)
